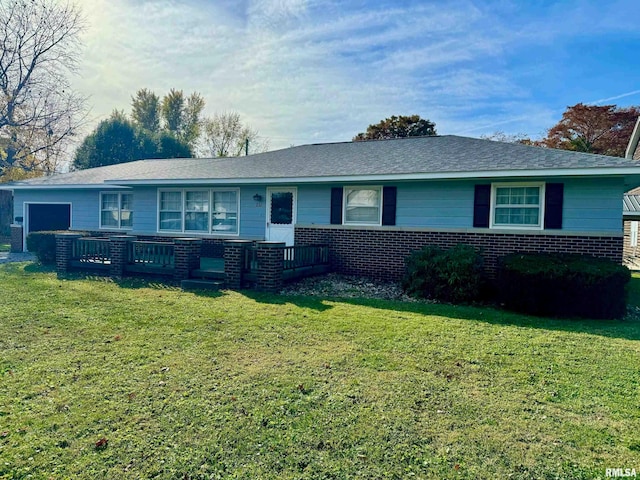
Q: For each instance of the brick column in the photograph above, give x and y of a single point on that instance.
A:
(64, 251)
(270, 266)
(16, 238)
(187, 257)
(234, 262)
(118, 250)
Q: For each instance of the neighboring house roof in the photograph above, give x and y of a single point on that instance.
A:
(633, 151)
(435, 157)
(631, 205)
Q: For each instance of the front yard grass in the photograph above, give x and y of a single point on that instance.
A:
(138, 380)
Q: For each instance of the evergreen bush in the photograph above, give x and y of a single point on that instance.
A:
(563, 285)
(454, 275)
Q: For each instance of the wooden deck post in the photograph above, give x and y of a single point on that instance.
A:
(234, 251)
(270, 266)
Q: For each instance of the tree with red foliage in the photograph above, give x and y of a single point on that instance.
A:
(601, 129)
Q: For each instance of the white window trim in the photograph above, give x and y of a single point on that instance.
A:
(633, 234)
(159, 211)
(345, 191)
(512, 226)
(183, 203)
(109, 227)
(211, 211)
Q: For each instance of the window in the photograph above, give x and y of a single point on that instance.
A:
(203, 211)
(517, 205)
(362, 205)
(116, 210)
(196, 218)
(171, 211)
(633, 240)
(224, 218)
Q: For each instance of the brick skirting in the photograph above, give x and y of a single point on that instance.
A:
(381, 253)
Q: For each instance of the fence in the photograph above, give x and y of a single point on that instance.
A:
(145, 255)
(91, 252)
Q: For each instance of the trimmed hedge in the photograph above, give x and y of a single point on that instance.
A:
(43, 245)
(563, 285)
(455, 275)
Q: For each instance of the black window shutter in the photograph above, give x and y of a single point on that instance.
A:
(336, 206)
(389, 196)
(553, 200)
(482, 206)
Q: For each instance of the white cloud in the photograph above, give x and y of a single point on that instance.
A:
(313, 70)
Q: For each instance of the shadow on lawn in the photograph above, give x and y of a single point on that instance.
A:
(627, 328)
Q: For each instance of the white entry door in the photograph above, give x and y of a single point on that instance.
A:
(281, 214)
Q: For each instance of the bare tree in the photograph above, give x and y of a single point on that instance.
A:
(225, 135)
(40, 44)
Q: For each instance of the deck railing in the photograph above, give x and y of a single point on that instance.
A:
(151, 254)
(295, 257)
(300, 256)
(91, 250)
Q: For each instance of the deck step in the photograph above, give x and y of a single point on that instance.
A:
(208, 274)
(193, 284)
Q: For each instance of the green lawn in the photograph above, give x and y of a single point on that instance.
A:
(177, 385)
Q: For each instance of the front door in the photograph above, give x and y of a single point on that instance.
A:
(281, 214)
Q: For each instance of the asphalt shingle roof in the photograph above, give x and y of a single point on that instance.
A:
(416, 155)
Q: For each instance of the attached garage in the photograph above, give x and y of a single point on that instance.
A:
(47, 216)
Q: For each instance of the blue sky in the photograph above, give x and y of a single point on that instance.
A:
(306, 71)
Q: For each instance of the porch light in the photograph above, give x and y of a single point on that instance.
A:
(257, 197)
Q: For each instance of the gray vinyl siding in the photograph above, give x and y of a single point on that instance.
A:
(85, 205)
(593, 205)
(253, 220)
(314, 204)
(590, 205)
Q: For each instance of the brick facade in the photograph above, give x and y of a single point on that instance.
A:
(234, 252)
(16, 238)
(64, 251)
(631, 255)
(270, 266)
(379, 253)
(118, 248)
(187, 257)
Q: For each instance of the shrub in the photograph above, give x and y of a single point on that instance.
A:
(455, 275)
(43, 246)
(563, 285)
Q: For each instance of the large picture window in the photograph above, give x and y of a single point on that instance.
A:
(362, 205)
(116, 210)
(517, 205)
(212, 211)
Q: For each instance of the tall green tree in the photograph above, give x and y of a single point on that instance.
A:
(173, 110)
(145, 110)
(119, 140)
(601, 129)
(182, 116)
(398, 127)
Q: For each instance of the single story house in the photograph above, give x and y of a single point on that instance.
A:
(372, 202)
